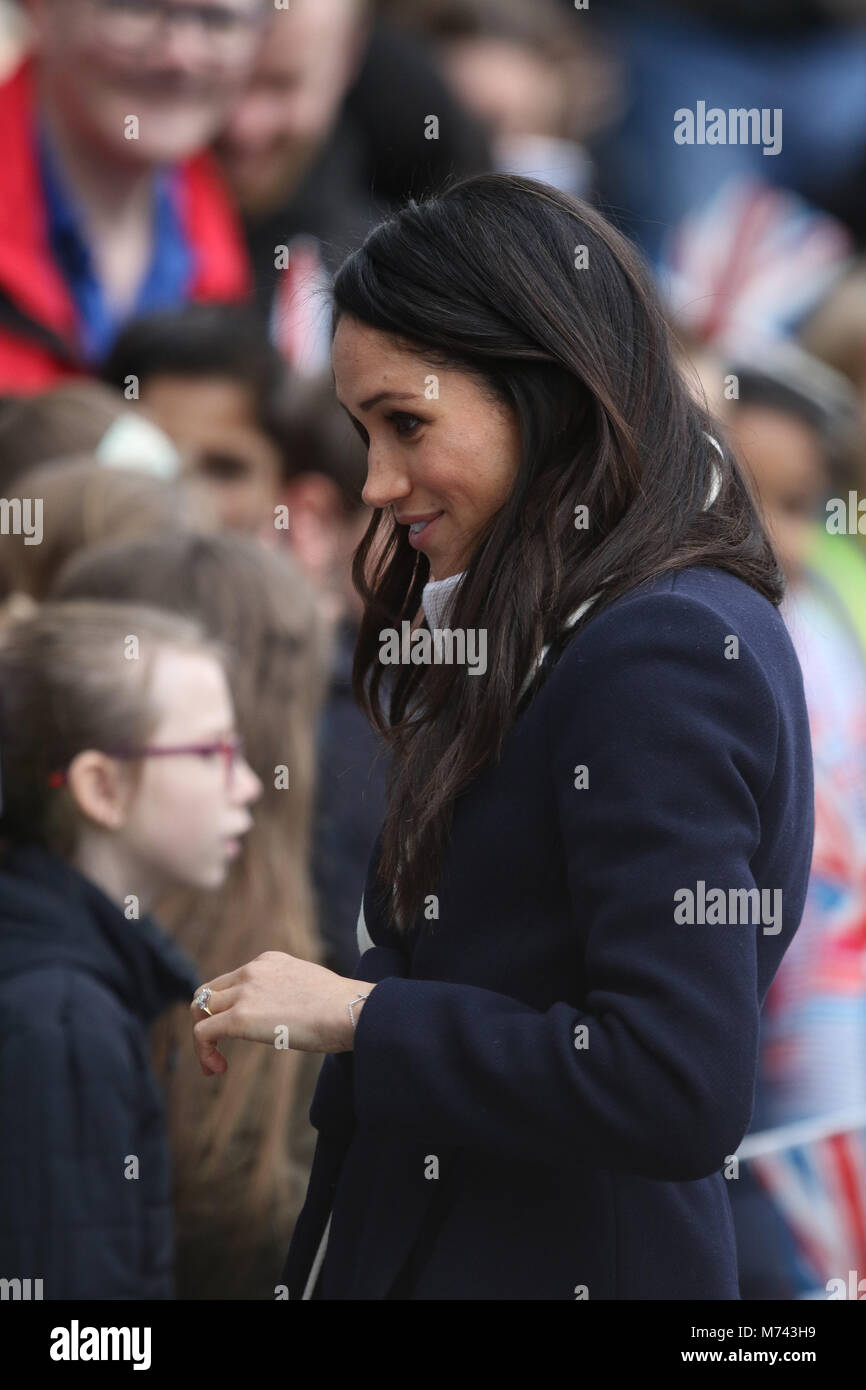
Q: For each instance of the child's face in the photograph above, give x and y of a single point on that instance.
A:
(183, 824)
(784, 457)
(213, 422)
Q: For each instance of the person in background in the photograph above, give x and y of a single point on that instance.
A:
(13, 31)
(110, 205)
(835, 332)
(701, 366)
(80, 417)
(792, 425)
(328, 519)
(333, 129)
(804, 64)
(293, 160)
(242, 1150)
(537, 80)
(77, 502)
(399, 86)
(121, 779)
(210, 379)
(325, 471)
(77, 429)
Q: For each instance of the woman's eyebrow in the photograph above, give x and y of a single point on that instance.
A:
(383, 396)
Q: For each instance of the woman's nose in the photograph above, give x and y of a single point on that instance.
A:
(386, 483)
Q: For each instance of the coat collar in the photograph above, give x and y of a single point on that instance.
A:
(52, 913)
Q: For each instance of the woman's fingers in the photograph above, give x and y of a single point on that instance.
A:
(223, 981)
(218, 1001)
(207, 1031)
(205, 1043)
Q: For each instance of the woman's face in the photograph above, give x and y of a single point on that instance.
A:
(439, 449)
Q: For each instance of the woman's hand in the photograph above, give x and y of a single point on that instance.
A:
(280, 1000)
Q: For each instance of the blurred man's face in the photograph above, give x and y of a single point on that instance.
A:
(213, 422)
(175, 66)
(784, 457)
(306, 64)
(510, 88)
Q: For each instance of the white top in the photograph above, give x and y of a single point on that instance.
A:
(436, 598)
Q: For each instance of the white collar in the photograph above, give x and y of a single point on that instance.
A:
(436, 596)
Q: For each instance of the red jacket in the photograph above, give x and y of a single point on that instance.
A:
(38, 332)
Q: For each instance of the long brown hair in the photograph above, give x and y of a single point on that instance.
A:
(238, 1184)
(537, 296)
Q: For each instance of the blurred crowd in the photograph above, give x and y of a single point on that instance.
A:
(179, 183)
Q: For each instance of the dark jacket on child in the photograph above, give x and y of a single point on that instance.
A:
(85, 1186)
(551, 1074)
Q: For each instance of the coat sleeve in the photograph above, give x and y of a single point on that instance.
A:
(71, 1204)
(654, 1073)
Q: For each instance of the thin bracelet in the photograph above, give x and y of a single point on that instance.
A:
(355, 1001)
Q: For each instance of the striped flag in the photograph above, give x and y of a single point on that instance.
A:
(750, 262)
(301, 314)
(815, 1174)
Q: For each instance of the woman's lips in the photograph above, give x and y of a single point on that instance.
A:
(421, 531)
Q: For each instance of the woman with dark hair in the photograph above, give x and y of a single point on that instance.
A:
(597, 840)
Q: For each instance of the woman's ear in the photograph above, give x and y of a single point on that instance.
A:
(99, 786)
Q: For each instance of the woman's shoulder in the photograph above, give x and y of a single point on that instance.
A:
(718, 590)
(683, 635)
(690, 603)
(691, 670)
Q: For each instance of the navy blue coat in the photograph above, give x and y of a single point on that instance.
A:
(79, 986)
(350, 805)
(547, 1080)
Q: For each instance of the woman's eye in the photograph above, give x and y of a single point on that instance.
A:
(403, 423)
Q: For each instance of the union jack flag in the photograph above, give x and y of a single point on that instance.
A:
(815, 1174)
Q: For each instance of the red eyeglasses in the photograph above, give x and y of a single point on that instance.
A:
(230, 749)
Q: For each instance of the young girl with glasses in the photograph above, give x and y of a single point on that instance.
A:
(122, 779)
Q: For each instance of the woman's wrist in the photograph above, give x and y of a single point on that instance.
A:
(352, 1012)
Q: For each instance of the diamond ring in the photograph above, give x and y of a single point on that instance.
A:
(201, 999)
